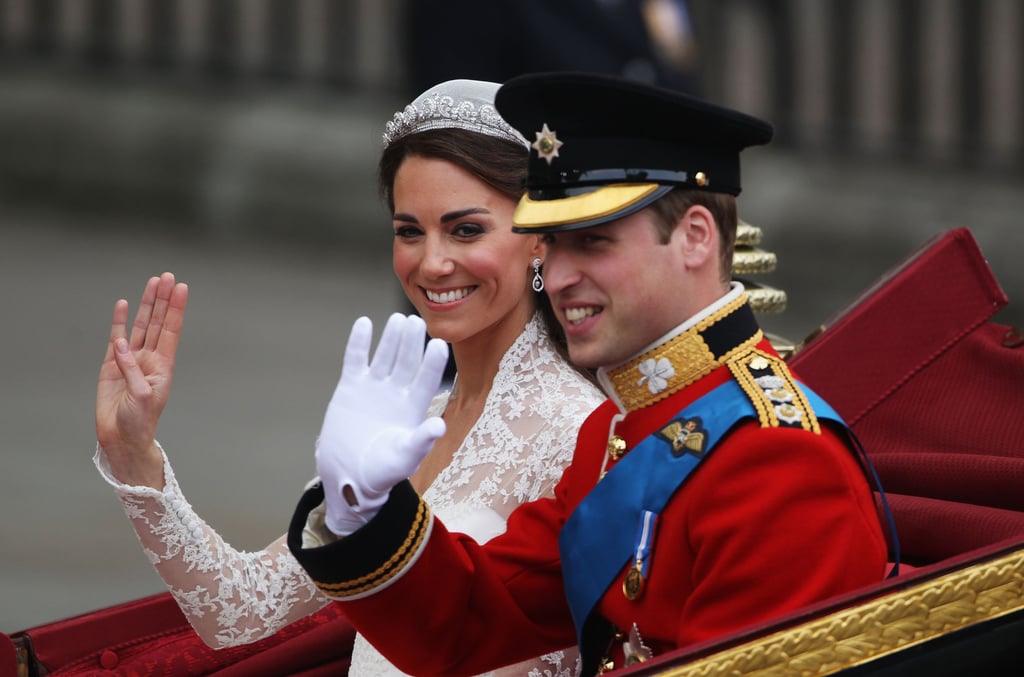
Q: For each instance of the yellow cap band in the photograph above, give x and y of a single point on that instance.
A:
(584, 207)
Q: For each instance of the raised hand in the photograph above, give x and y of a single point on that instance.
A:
(135, 381)
(374, 433)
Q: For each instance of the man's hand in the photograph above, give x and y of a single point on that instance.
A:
(374, 433)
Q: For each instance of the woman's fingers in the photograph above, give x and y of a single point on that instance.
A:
(135, 380)
(164, 288)
(140, 327)
(167, 344)
(160, 316)
(118, 327)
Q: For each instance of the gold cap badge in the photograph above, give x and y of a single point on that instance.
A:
(547, 144)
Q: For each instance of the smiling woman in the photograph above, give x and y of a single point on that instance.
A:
(450, 172)
(459, 267)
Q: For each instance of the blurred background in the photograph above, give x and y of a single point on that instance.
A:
(234, 142)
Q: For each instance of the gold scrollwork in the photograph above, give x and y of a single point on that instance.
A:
(876, 628)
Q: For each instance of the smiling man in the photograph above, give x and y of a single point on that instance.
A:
(710, 492)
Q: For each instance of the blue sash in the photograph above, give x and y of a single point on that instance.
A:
(599, 538)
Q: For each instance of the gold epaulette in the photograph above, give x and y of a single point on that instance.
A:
(778, 400)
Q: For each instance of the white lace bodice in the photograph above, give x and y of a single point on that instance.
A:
(515, 452)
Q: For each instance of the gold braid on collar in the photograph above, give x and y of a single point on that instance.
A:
(669, 367)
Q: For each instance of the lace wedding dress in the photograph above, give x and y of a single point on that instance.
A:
(514, 453)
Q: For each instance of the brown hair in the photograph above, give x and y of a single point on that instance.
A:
(670, 208)
(498, 162)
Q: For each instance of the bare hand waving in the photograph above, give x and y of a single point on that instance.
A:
(135, 381)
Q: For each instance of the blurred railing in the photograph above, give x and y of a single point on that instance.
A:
(930, 81)
(334, 43)
(938, 82)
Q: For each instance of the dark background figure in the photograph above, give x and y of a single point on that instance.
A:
(648, 40)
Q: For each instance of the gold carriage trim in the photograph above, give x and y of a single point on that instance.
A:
(753, 261)
(395, 564)
(880, 627)
(778, 405)
(689, 355)
(747, 235)
(765, 299)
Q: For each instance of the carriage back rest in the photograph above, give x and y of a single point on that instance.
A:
(932, 388)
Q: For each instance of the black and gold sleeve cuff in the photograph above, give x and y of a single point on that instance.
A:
(372, 557)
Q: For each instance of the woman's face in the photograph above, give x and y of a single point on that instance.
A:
(460, 264)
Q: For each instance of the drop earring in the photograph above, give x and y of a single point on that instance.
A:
(538, 281)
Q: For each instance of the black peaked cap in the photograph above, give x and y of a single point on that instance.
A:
(593, 132)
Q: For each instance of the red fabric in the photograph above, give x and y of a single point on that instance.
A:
(150, 637)
(62, 642)
(773, 520)
(956, 430)
(8, 658)
(935, 297)
(934, 395)
(934, 530)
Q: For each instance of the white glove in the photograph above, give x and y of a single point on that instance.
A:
(374, 433)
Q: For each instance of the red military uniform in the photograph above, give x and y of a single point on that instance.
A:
(777, 515)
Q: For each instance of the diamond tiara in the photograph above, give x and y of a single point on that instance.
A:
(455, 104)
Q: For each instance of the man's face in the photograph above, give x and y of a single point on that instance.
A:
(616, 288)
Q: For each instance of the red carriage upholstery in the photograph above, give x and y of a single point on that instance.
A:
(933, 389)
(150, 637)
(8, 658)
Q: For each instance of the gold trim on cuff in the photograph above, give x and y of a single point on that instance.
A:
(393, 566)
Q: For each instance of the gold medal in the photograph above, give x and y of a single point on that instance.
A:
(633, 584)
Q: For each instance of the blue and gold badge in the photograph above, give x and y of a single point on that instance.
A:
(685, 436)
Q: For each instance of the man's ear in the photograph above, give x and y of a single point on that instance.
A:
(698, 236)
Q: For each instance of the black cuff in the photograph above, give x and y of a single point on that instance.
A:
(372, 556)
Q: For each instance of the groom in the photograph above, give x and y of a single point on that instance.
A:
(710, 492)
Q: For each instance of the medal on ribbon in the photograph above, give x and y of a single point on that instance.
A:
(633, 584)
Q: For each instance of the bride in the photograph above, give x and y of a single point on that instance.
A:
(451, 173)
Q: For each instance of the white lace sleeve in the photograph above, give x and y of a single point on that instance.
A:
(229, 597)
(515, 453)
